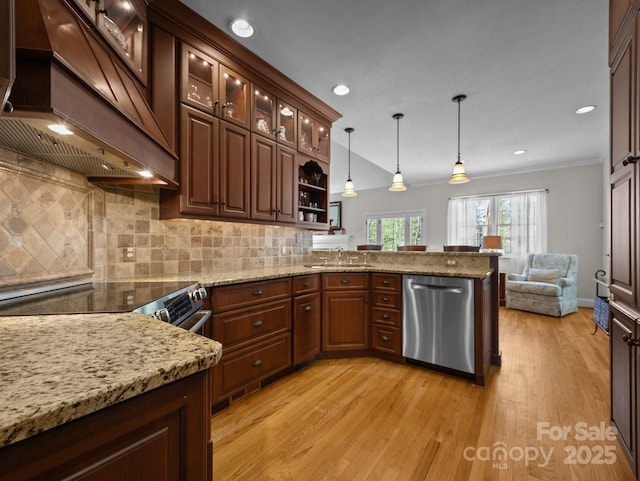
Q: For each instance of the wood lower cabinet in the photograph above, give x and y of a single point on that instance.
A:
(163, 434)
(307, 318)
(386, 314)
(345, 312)
(625, 359)
(253, 322)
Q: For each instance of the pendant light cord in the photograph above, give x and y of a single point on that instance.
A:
(398, 144)
(458, 131)
(349, 157)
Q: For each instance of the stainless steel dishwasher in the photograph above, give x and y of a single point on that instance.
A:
(438, 321)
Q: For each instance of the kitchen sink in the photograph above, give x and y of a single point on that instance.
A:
(343, 265)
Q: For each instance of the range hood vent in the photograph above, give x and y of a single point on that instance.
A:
(66, 73)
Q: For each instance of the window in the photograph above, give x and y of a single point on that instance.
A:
(394, 229)
(520, 218)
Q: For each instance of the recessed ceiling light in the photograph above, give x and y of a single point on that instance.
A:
(60, 129)
(242, 28)
(585, 109)
(519, 152)
(341, 89)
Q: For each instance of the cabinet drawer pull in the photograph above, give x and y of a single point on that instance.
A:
(257, 363)
(257, 323)
(257, 292)
(385, 282)
(345, 281)
(305, 284)
(385, 338)
(307, 308)
(385, 317)
(385, 299)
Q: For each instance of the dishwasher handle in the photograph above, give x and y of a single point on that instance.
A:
(434, 287)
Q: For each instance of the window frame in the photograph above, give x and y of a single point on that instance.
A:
(406, 214)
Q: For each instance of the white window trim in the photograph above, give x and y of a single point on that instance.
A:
(422, 213)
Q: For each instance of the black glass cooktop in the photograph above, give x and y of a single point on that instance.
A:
(91, 298)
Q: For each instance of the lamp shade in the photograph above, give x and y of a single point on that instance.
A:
(349, 189)
(397, 185)
(492, 243)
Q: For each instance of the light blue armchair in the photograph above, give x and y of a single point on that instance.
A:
(548, 285)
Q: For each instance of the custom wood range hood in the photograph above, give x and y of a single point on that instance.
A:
(67, 73)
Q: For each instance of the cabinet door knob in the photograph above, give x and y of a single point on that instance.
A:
(257, 324)
(630, 159)
(345, 281)
(385, 316)
(307, 308)
(385, 338)
(257, 292)
(257, 363)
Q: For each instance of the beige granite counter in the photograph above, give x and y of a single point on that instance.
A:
(461, 264)
(54, 369)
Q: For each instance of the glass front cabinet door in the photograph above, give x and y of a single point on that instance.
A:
(123, 24)
(273, 118)
(233, 97)
(313, 137)
(199, 80)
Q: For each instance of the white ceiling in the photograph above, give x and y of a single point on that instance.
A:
(525, 66)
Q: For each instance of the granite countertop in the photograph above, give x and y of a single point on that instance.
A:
(57, 368)
(248, 274)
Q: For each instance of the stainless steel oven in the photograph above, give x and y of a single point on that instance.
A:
(179, 303)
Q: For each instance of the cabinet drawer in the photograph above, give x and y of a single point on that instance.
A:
(251, 364)
(387, 299)
(386, 316)
(341, 281)
(386, 339)
(242, 325)
(390, 282)
(306, 284)
(242, 295)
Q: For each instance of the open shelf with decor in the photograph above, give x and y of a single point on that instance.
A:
(312, 193)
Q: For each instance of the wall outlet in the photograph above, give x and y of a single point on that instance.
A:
(129, 254)
(451, 262)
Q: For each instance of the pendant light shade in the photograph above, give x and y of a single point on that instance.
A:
(459, 176)
(349, 189)
(397, 184)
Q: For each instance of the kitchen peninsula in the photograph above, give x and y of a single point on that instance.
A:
(103, 393)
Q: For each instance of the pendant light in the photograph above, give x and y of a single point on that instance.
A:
(349, 189)
(459, 176)
(397, 184)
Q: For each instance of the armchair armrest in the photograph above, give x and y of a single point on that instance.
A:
(566, 281)
(516, 277)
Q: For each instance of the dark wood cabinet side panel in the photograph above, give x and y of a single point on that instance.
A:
(163, 83)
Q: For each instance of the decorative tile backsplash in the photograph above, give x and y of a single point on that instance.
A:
(54, 224)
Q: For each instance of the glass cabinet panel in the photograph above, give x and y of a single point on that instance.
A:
(323, 138)
(234, 97)
(305, 135)
(286, 124)
(199, 87)
(263, 112)
(123, 24)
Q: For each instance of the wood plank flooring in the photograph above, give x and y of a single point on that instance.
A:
(368, 419)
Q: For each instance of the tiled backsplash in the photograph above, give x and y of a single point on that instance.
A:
(54, 224)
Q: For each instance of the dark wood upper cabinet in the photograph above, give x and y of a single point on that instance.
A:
(273, 117)
(7, 52)
(621, 14)
(314, 137)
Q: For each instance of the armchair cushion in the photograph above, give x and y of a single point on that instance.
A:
(543, 275)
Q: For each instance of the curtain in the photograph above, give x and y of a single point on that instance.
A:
(519, 217)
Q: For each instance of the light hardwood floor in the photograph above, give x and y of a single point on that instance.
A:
(368, 419)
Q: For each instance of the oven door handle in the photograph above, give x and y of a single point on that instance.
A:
(203, 317)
